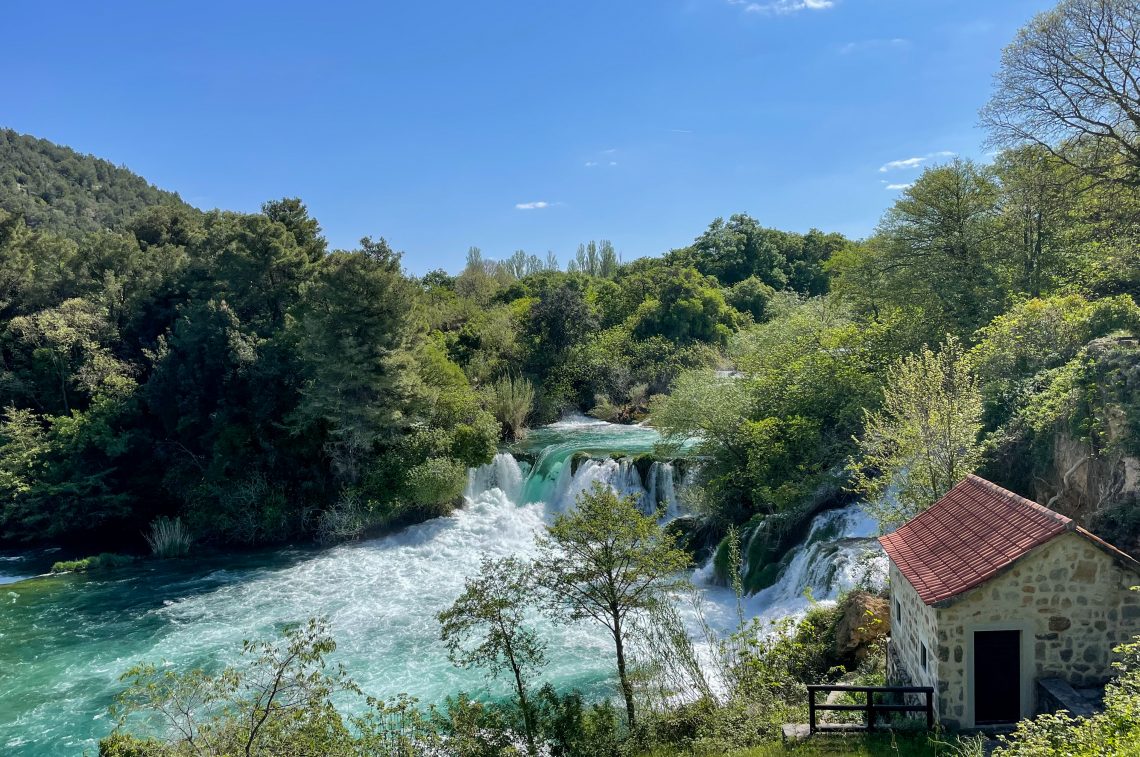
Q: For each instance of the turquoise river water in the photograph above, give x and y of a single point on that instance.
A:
(65, 640)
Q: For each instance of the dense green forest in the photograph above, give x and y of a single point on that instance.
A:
(53, 187)
(231, 370)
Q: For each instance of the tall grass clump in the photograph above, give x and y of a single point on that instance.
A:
(511, 401)
(168, 538)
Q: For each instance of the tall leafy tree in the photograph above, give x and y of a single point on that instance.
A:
(606, 561)
(354, 325)
(486, 628)
(925, 438)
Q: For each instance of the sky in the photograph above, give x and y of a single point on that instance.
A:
(508, 125)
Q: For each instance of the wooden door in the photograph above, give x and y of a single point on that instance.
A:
(997, 677)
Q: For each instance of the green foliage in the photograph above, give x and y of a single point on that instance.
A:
(169, 538)
(103, 561)
(56, 188)
(512, 401)
(926, 437)
(773, 433)
(279, 700)
(608, 562)
(934, 246)
(689, 308)
(740, 248)
(485, 628)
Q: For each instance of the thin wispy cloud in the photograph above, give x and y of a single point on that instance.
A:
(603, 158)
(537, 205)
(869, 45)
(681, 131)
(910, 163)
(897, 187)
(782, 7)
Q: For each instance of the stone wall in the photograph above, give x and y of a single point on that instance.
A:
(1070, 599)
(913, 625)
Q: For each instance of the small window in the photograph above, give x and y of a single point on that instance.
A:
(898, 610)
(924, 658)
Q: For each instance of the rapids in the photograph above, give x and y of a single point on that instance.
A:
(65, 640)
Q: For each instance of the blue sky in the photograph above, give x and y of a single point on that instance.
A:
(516, 125)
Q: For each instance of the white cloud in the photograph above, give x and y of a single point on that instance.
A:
(613, 162)
(908, 163)
(591, 163)
(681, 131)
(538, 205)
(899, 186)
(610, 151)
(898, 164)
(782, 7)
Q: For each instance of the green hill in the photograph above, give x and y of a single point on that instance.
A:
(57, 188)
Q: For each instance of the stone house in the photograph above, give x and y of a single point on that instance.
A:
(993, 594)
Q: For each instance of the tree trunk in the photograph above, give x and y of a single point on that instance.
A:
(623, 676)
(524, 705)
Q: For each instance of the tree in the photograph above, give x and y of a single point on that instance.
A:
(560, 318)
(485, 628)
(940, 235)
(689, 308)
(1037, 197)
(925, 439)
(606, 561)
(355, 325)
(279, 701)
(1070, 83)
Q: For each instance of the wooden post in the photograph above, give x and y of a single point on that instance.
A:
(811, 710)
(870, 710)
(929, 709)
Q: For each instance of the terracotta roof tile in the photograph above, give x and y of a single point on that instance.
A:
(969, 535)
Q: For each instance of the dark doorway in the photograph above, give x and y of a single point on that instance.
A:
(997, 677)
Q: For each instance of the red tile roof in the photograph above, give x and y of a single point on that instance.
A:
(968, 536)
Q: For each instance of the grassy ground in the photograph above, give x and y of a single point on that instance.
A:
(884, 745)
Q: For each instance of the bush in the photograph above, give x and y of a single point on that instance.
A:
(104, 561)
(168, 538)
(435, 485)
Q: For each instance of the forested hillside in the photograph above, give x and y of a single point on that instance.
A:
(233, 371)
(53, 187)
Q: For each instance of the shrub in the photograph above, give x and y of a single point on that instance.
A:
(168, 538)
(512, 401)
(104, 561)
(435, 484)
(344, 520)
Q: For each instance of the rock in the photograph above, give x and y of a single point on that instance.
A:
(865, 622)
(1059, 623)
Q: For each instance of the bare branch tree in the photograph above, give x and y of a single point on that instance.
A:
(1070, 82)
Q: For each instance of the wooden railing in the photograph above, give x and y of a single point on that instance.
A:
(870, 708)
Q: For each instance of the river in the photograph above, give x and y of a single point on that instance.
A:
(66, 639)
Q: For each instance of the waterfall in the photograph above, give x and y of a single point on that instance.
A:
(558, 484)
(839, 553)
(503, 473)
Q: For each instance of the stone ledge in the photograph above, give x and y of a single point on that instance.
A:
(1056, 694)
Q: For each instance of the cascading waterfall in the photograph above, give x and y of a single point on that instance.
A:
(657, 493)
(65, 640)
